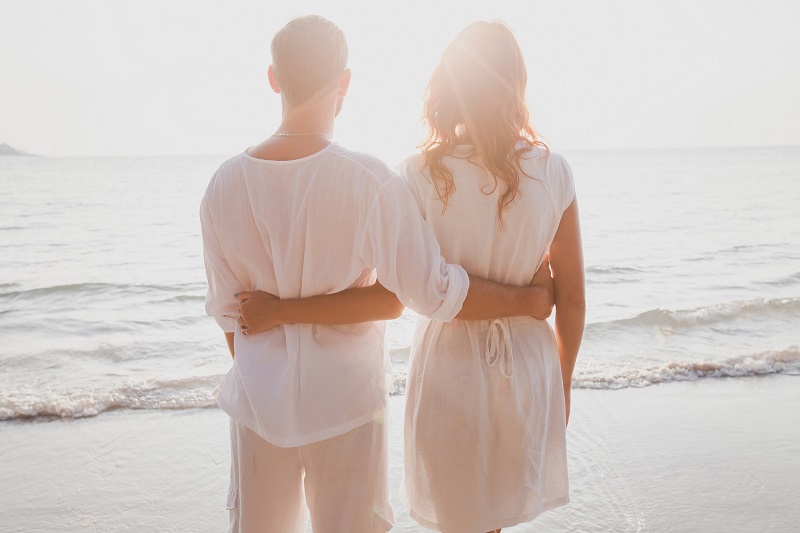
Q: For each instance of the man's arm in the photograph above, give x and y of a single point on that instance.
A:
(486, 299)
(261, 311)
(222, 282)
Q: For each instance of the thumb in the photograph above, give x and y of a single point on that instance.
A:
(243, 296)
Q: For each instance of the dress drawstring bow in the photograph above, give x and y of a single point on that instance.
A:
(498, 347)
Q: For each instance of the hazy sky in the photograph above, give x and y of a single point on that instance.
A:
(189, 77)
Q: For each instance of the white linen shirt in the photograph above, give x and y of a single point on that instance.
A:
(310, 226)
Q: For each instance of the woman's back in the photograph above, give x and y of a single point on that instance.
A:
(490, 389)
(469, 230)
(485, 436)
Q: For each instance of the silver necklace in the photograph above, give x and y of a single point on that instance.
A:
(301, 134)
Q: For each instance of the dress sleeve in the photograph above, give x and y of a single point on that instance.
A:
(222, 282)
(403, 249)
(566, 184)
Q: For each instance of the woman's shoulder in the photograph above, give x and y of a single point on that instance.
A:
(412, 167)
(545, 160)
(552, 169)
(546, 165)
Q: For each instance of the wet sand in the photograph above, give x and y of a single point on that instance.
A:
(714, 455)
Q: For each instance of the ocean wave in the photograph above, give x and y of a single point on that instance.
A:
(775, 362)
(703, 316)
(786, 281)
(179, 394)
(750, 248)
(5, 286)
(773, 249)
(196, 392)
(98, 288)
(186, 298)
(606, 274)
(597, 269)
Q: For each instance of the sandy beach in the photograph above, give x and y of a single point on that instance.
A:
(719, 455)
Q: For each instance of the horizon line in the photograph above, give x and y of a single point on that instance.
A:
(566, 149)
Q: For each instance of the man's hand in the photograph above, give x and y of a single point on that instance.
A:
(258, 312)
(543, 292)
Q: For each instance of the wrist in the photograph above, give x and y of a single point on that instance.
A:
(281, 311)
(526, 301)
(536, 302)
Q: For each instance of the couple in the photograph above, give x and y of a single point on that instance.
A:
(309, 247)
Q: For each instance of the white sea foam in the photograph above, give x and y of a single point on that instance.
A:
(189, 393)
(195, 392)
(705, 316)
(779, 362)
(774, 362)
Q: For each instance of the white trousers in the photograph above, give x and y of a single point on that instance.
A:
(341, 482)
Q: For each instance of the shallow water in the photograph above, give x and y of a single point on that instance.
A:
(692, 265)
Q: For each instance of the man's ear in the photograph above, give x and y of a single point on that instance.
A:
(344, 83)
(273, 80)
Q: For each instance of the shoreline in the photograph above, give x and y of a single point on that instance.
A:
(715, 455)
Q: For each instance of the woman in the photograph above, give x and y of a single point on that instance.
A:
(487, 400)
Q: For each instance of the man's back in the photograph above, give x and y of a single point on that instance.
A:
(304, 227)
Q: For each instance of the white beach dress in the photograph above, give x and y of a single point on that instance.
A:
(484, 426)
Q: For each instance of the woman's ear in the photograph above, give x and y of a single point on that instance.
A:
(273, 80)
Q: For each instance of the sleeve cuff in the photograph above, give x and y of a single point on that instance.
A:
(227, 323)
(457, 287)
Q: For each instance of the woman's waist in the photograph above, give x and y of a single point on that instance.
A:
(521, 321)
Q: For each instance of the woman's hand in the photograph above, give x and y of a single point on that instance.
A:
(258, 312)
(567, 399)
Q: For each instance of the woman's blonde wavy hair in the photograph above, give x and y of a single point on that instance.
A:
(479, 85)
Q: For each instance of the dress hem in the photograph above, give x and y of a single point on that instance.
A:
(507, 521)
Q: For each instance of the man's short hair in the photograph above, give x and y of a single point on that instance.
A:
(308, 54)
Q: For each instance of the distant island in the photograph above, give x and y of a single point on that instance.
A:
(9, 150)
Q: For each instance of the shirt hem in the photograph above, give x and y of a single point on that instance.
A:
(310, 438)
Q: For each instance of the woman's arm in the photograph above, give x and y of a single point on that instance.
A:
(566, 262)
(229, 340)
(261, 311)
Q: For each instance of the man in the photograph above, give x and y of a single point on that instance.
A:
(296, 216)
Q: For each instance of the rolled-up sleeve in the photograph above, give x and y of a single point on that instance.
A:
(222, 282)
(401, 246)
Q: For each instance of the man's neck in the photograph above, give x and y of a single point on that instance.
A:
(307, 118)
(304, 131)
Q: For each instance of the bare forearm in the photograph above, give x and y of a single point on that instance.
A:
(229, 340)
(566, 260)
(488, 299)
(570, 320)
(352, 306)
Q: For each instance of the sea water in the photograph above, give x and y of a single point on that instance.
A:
(692, 271)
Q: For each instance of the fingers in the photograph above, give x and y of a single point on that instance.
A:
(243, 326)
